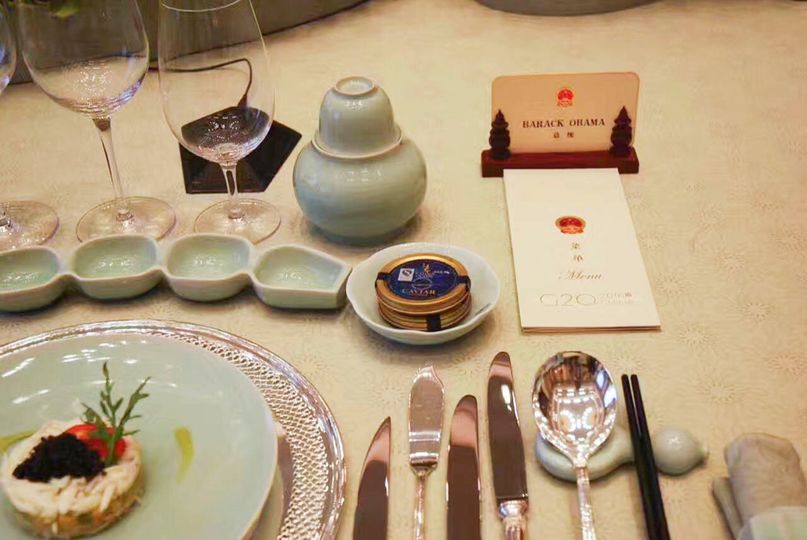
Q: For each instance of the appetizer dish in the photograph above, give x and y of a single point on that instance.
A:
(75, 478)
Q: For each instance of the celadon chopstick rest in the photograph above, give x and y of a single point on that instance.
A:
(676, 451)
(765, 494)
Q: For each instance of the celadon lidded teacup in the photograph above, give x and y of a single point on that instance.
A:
(356, 120)
(360, 181)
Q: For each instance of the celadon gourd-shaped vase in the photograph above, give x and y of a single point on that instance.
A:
(359, 180)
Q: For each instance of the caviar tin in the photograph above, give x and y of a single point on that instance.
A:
(423, 291)
(427, 323)
(425, 283)
(424, 312)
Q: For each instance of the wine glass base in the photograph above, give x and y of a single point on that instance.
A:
(257, 222)
(151, 217)
(29, 224)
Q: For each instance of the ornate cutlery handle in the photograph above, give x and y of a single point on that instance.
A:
(420, 510)
(584, 500)
(514, 519)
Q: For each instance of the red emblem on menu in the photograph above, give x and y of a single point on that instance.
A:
(570, 224)
(565, 97)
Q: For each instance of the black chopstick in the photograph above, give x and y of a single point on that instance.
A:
(652, 502)
(652, 472)
(641, 469)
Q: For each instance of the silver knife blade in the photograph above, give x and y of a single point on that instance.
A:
(370, 521)
(506, 444)
(462, 484)
(425, 434)
(507, 449)
(425, 419)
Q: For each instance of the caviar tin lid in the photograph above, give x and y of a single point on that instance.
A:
(423, 282)
(427, 323)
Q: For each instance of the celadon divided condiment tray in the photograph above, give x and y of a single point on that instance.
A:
(199, 267)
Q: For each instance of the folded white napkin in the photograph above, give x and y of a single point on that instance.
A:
(783, 523)
(765, 494)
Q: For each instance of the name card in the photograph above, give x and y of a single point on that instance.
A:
(572, 112)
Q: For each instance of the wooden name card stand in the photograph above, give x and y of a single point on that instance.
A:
(621, 155)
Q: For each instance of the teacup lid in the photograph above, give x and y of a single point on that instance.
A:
(356, 120)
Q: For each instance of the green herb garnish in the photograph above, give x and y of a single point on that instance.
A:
(110, 429)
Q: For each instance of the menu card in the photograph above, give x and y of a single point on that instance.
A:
(577, 262)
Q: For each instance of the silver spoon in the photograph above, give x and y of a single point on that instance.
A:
(574, 401)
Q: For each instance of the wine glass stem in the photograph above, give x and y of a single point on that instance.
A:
(235, 212)
(104, 126)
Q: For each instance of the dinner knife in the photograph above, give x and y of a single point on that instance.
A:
(370, 521)
(462, 484)
(507, 449)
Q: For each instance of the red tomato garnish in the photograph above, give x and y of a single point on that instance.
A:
(86, 434)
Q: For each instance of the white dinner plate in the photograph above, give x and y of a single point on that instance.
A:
(223, 491)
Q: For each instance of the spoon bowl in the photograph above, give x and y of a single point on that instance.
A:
(574, 400)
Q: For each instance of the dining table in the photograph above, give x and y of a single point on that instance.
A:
(719, 207)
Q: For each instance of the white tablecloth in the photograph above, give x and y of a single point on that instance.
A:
(719, 208)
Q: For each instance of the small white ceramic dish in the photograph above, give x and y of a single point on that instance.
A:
(116, 267)
(299, 277)
(30, 278)
(361, 292)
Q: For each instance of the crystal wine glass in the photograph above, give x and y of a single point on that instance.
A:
(217, 98)
(22, 223)
(90, 56)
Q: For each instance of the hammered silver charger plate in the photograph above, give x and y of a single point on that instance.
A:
(308, 493)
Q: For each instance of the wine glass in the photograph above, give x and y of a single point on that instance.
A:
(22, 223)
(90, 56)
(217, 98)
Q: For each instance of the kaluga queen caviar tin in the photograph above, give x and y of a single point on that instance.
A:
(426, 292)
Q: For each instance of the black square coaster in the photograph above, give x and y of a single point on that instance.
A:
(255, 172)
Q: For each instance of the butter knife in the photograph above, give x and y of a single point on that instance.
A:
(462, 484)
(425, 434)
(507, 449)
(370, 521)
